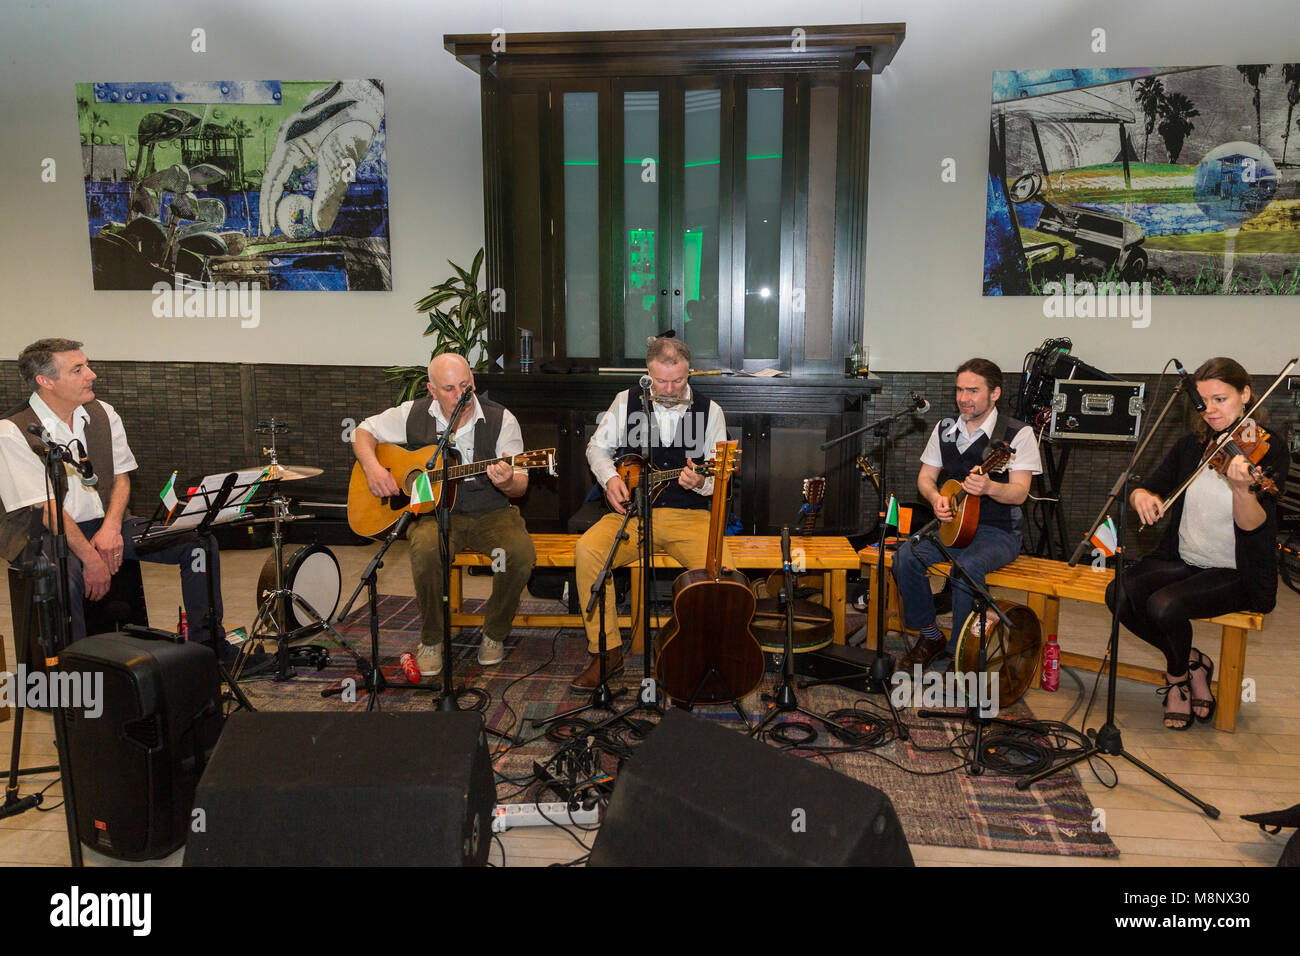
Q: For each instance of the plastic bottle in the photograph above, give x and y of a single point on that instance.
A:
(1051, 664)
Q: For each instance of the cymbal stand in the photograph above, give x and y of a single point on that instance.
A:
(277, 625)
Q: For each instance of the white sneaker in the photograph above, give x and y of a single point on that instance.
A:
(491, 652)
(428, 657)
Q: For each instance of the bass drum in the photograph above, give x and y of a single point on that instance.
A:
(312, 573)
(1012, 656)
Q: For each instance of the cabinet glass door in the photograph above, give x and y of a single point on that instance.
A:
(581, 289)
(643, 276)
(697, 240)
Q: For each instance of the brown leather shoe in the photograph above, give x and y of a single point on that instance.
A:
(923, 653)
(589, 678)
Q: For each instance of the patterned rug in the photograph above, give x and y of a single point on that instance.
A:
(936, 808)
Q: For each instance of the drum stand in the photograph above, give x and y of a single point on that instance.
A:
(983, 604)
(784, 700)
(277, 625)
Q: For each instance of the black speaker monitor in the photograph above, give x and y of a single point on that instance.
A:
(699, 794)
(346, 789)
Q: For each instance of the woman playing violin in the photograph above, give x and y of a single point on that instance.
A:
(1219, 553)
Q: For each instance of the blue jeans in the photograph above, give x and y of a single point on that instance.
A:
(194, 585)
(991, 549)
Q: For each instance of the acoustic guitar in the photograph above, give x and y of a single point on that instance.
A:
(707, 652)
(371, 516)
(960, 530)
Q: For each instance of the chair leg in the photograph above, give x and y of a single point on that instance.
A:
(1232, 665)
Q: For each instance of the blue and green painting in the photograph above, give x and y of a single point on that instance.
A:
(283, 184)
(1184, 177)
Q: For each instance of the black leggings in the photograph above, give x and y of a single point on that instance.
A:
(1162, 596)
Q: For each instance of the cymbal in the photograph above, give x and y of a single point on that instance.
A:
(293, 472)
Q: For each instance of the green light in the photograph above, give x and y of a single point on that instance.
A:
(638, 162)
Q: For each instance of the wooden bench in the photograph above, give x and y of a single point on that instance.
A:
(832, 556)
(1047, 582)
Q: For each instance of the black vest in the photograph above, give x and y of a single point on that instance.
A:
(992, 513)
(15, 526)
(475, 495)
(668, 453)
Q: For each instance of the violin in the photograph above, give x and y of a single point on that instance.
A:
(1249, 440)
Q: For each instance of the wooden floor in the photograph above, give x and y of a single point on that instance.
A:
(1256, 768)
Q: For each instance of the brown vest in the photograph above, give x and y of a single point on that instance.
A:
(17, 525)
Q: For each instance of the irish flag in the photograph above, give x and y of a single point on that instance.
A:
(1104, 538)
(421, 493)
(891, 514)
(168, 495)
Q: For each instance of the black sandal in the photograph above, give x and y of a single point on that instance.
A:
(1180, 721)
(1203, 663)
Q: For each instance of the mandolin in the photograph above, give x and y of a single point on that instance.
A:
(631, 465)
(371, 516)
(707, 652)
(960, 531)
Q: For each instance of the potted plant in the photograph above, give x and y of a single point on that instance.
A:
(461, 328)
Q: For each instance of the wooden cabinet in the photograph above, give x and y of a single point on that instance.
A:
(780, 424)
(709, 181)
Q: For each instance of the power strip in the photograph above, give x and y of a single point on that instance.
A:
(509, 815)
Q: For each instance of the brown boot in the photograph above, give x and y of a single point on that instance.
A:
(922, 653)
(589, 678)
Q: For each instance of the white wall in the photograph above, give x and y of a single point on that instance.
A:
(925, 248)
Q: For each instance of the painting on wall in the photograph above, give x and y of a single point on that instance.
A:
(282, 184)
(1183, 177)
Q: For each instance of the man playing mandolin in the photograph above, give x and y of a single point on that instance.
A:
(482, 517)
(686, 427)
(958, 448)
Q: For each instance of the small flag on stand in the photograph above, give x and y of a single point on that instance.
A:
(891, 514)
(1104, 538)
(168, 495)
(421, 492)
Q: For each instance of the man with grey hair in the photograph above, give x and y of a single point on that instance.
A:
(684, 427)
(98, 529)
(482, 517)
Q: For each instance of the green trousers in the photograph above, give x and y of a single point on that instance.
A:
(501, 535)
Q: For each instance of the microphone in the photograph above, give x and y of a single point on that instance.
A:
(646, 381)
(786, 560)
(919, 402)
(83, 465)
(1189, 387)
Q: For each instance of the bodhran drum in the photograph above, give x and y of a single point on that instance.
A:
(1012, 656)
(813, 626)
(312, 573)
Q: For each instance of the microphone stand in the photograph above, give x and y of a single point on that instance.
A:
(983, 603)
(601, 697)
(882, 668)
(784, 700)
(449, 698)
(1108, 739)
(50, 592)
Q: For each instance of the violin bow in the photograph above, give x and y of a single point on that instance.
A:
(1227, 436)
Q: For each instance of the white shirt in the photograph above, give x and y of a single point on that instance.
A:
(22, 474)
(614, 429)
(1206, 536)
(1023, 444)
(390, 427)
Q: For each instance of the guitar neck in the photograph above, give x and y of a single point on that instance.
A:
(465, 471)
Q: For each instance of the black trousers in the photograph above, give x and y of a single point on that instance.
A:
(1161, 597)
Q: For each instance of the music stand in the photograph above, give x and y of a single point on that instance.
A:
(220, 499)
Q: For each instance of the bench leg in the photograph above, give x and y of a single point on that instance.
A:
(873, 609)
(838, 582)
(455, 596)
(1232, 665)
